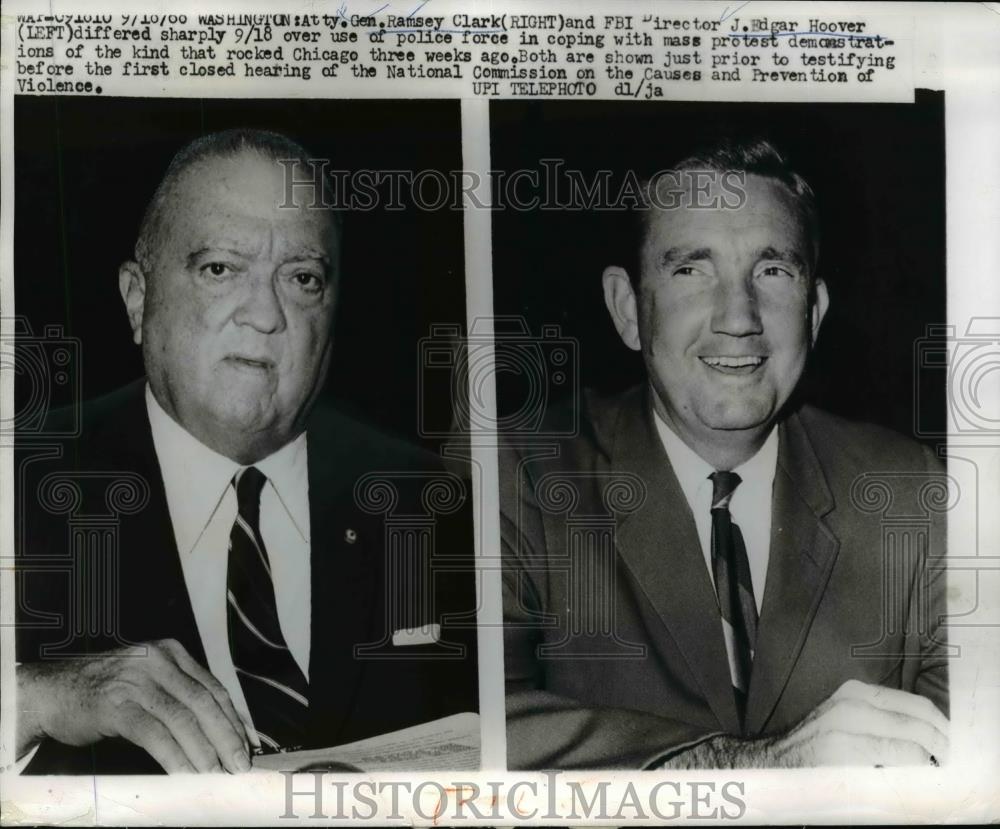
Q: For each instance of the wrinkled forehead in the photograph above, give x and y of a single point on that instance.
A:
(752, 209)
(247, 195)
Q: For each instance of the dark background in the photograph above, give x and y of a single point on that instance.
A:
(878, 173)
(86, 167)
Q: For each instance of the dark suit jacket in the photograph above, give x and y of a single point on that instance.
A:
(613, 647)
(78, 597)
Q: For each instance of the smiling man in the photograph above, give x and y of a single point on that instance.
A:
(246, 598)
(715, 593)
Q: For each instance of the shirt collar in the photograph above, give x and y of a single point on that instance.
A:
(693, 471)
(287, 471)
(196, 477)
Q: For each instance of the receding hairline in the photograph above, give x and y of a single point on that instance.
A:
(220, 146)
(784, 196)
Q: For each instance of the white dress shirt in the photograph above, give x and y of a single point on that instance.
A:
(202, 504)
(750, 505)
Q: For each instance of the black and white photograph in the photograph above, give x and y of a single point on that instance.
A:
(234, 545)
(499, 413)
(698, 573)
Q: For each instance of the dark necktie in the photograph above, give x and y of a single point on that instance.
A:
(733, 586)
(275, 689)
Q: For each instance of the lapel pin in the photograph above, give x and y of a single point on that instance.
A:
(350, 536)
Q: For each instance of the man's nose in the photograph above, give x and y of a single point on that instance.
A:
(261, 306)
(735, 309)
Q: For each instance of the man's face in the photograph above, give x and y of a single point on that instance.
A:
(234, 318)
(724, 315)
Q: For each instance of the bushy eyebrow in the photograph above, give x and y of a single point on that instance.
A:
(675, 257)
(680, 256)
(194, 256)
(783, 255)
(310, 255)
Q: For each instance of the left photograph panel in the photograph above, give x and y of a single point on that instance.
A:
(244, 538)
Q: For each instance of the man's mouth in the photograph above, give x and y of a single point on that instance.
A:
(249, 363)
(734, 365)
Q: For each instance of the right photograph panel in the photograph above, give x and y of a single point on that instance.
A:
(721, 422)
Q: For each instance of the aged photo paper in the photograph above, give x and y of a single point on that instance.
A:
(494, 413)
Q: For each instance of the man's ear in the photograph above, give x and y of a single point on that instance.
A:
(620, 300)
(821, 301)
(132, 287)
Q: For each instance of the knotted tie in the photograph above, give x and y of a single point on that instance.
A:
(276, 691)
(733, 586)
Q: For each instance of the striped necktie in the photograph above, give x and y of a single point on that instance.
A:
(276, 691)
(733, 586)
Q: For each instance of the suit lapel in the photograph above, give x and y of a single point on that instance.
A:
(659, 544)
(803, 550)
(152, 593)
(345, 563)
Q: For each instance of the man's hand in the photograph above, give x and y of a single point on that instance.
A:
(859, 725)
(161, 700)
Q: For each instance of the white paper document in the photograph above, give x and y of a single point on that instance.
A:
(451, 743)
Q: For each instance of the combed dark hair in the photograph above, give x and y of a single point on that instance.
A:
(755, 156)
(225, 144)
